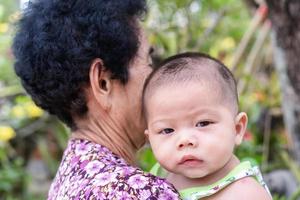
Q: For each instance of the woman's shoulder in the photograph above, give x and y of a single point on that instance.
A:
(123, 181)
(91, 171)
(144, 185)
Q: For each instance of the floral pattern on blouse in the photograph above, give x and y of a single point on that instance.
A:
(91, 171)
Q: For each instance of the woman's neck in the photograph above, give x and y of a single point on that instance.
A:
(181, 182)
(107, 134)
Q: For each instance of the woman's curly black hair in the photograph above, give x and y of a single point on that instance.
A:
(57, 40)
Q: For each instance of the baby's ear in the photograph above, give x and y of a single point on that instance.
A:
(241, 121)
(146, 132)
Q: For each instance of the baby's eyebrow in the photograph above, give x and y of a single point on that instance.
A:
(160, 122)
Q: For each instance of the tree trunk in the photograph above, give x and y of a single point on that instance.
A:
(285, 17)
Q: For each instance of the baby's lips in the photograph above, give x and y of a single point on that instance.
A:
(186, 158)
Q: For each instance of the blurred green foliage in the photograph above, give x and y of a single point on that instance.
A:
(215, 27)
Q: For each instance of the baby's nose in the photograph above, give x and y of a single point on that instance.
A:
(187, 142)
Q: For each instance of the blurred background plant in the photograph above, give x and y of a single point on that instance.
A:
(237, 32)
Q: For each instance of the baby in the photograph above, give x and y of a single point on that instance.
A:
(193, 124)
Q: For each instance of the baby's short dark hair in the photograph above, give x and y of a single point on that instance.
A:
(192, 66)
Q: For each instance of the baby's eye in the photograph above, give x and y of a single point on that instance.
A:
(166, 131)
(203, 123)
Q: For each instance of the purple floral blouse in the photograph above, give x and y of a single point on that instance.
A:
(91, 171)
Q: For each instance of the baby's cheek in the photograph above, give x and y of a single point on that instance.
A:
(160, 151)
(223, 153)
(162, 148)
(219, 145)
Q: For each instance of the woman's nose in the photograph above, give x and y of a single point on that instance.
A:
(189, 141)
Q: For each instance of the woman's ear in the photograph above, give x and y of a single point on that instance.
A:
(241, 121)
(100, 83)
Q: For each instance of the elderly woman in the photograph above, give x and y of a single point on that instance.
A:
(86, 62)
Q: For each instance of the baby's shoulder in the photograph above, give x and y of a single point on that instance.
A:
(246, 188)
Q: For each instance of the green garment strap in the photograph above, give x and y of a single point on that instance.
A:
(244, 169)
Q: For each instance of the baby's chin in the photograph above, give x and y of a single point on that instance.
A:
(194, 175)
(189, 173)
(186, 173)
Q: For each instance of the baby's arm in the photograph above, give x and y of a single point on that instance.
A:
(247, 189)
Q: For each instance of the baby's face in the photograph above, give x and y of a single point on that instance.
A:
(190, 131)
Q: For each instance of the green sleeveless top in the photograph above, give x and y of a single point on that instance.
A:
(244, 169)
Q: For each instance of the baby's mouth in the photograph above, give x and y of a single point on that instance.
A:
(189, 160)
